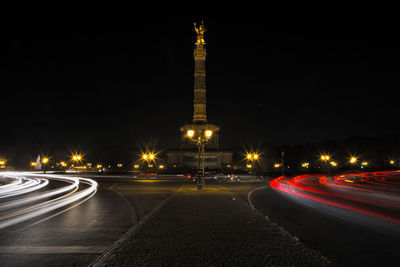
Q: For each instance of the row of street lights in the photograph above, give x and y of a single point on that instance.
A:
(201, 137)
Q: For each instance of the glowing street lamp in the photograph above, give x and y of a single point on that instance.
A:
(325, 157)
(2, 164)
(148, 157)
(353, 160)
(190, 133)
(251, 158)
(200, 138)
(45, 161)
(305, 165)
(76, 158)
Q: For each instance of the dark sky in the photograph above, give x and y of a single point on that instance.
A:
(112, 77)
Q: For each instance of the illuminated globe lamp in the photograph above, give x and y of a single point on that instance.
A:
(76, 158)
(251, 159)
(149, 158)
(305, 165)
(45, 161)
(200, 137)
(364, 164)
(2, 163)
(325, 158)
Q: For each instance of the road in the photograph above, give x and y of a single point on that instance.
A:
(80, 234)
(352, 218)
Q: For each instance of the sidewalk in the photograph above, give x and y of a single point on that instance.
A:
(209, 228)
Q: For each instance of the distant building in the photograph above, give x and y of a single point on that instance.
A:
(187, 156)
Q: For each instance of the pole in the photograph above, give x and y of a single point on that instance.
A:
(202, 171)
(283, 165)
(199, 153)
(199, 184)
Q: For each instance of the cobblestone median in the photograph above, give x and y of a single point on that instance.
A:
(211, 228)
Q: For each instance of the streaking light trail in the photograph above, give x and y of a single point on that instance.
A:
(16, 206)
(375, 194)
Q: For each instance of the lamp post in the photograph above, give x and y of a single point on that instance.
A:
(200, 138)
(325, 158)
(76, 158)
(45, 161)
(149, 158)
(251, 158)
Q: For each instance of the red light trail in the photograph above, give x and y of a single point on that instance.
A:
(376, 194)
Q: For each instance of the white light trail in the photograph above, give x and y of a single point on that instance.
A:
(29, 207)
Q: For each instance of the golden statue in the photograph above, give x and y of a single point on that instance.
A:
(200, 33)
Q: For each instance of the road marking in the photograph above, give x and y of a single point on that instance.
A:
(251, 192)
(132, 210)
(112, 186)
(52, 249)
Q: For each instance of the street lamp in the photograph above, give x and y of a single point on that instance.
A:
(353, 160)
(149, 158)
(277, 165)
(2, 164)
(76, 158)
(325, 158)
(305, 165)
(251, 158)
(45, 161)
(200, 138)
(364, 164)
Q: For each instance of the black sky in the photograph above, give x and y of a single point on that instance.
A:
(112, 78)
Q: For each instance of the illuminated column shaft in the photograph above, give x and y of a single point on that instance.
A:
(199, 114)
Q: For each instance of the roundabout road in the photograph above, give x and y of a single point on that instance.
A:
(46, 233)
(351, 218)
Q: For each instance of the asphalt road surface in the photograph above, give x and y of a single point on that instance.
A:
(79, 235)
(347, 238)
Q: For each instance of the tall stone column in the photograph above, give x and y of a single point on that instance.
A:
(199, 103)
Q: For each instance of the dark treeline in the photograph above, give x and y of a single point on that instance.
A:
(379, 153)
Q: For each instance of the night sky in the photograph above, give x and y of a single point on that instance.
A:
(110, 79)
